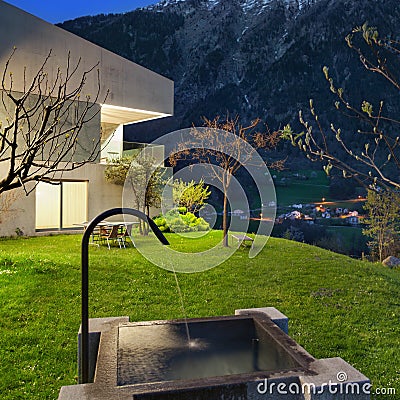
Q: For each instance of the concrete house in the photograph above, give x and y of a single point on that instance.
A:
(135, 94)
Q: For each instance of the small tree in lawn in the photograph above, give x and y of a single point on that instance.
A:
(143, 180)
(383, 209)
(220, 145)
(40, 130)
(191, 195)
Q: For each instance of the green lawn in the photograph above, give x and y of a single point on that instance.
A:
(337, 306)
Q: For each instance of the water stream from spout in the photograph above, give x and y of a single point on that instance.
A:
(189, 341)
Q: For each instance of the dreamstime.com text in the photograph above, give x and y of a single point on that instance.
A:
(283, 388)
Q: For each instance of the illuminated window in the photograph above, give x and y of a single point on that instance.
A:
(60, 206)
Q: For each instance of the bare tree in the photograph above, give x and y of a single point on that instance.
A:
(40, 127)
(222, 146)
(377, 163)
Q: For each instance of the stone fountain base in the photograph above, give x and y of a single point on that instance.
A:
(247, 356)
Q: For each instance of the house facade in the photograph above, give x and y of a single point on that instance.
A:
(127, 93)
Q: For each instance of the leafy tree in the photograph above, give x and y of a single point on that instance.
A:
(117, 169)
(142, 179)
(383, 210)
(377, 162)
(40, 128)
(191, 195)
(222, 146)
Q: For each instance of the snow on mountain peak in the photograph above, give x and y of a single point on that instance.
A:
(246, 5)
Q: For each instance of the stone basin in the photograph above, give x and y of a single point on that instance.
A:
(215, 347)
(234, 357)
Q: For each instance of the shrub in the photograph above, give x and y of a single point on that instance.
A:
(177, 224)
(203, 225)
(161, 222)
(175, 221)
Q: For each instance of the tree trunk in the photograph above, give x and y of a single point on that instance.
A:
(141, 222)
(380, 246)
(145, 225)
(140, 227)
(225, 222)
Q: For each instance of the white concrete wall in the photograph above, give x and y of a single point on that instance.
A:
(20, 214)
(88, 137)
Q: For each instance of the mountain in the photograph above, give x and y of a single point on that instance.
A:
(257, 58)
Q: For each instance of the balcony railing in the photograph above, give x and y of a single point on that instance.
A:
(113, 150)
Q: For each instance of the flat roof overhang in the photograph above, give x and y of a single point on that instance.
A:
(122, 115)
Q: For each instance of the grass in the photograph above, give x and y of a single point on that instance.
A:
(301, 191)
(337, 306)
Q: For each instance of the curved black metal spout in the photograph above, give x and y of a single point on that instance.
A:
(84, 343)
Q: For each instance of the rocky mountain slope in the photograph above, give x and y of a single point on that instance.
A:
(258, 58)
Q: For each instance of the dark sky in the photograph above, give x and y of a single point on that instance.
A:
(61, 10)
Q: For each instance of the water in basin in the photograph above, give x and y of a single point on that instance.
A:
(161, 352)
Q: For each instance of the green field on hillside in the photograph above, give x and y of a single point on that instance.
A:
(337, 306)
(292, 190)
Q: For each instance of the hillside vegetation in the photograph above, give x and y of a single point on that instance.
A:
(337, 306)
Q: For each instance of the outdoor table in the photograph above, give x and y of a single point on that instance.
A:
(243, 239)
(104, 224)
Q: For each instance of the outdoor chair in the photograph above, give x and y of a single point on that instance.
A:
(128, 234)
(96, 236)
(112, 235)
